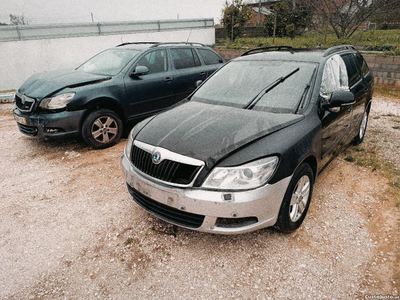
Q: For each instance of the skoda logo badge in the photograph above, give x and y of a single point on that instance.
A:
(156, 158)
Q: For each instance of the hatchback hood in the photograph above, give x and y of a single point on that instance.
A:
(44, 84)
(210, 132)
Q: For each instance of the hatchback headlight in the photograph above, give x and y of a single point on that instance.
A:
(247, 176)
(129, 144)
(57, 102)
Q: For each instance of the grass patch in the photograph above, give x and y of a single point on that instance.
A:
(367, 156)
(128, 241)
(384, 92)
(387, 41)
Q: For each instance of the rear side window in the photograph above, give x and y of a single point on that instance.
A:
(155, 61)
(185, 58)
(352, 70)
(362, 64)
(209, 57)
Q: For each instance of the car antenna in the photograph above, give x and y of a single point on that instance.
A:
(187, 41)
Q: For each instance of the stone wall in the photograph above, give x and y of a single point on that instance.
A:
(386, 69)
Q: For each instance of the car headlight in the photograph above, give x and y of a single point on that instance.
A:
(247, 176)
(57, 102)
(129, 144)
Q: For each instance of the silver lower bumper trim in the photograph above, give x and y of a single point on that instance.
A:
(263, 203)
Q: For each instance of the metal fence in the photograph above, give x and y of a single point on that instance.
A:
(37, 32)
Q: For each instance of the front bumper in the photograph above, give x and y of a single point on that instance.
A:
(205, 210)
(51, 125)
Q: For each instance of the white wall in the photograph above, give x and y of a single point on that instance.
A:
(20, 59)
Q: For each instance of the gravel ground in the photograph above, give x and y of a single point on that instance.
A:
(69, 230)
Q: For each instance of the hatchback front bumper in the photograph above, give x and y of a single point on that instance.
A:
(205, 210)
(50, 125)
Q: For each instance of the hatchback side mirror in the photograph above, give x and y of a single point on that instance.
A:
(139, 70)
(340, 98)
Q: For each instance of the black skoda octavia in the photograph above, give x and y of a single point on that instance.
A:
(244, 150)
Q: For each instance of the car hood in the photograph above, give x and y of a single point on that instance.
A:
(44, 84)
(210, 132)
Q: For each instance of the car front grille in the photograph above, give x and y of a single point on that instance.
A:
(28, 130)
(166, 212)
(24, 103)
(168, 170)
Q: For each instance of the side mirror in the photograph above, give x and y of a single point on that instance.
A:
(340, 98)
(139, 70)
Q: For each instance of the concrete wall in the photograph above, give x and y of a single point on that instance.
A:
(386, 69)
(20, 59)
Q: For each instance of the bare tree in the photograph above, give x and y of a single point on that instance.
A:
(18, 20)
(346, 16)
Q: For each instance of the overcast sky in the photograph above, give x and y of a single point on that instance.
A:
(71, 11)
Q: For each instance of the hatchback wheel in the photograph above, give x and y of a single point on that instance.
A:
(102, 128)
(361, 131)
(297, 200)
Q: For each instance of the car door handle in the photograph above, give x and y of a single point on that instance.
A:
(202, 74)
(168, 79)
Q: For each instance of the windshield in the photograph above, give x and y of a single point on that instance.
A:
(240, 83)
(109, 62)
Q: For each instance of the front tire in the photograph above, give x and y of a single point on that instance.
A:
(297, 199)
(102, 128)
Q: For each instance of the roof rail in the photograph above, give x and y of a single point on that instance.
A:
(337, 49)
(133, 43)
(264, 49)
(177, 43)
(156, 44)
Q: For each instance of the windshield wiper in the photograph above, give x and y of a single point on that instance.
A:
(258, 97)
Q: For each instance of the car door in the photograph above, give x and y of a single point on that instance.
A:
(358, 87)
(211, 60)
(152, 92)
(336, 122)
(188, 70)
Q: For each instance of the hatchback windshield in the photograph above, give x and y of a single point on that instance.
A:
(109, 62)
(240, 83)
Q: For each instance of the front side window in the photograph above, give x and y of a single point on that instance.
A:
(362, 64)
(184, 58)
(257, 85)
(109, 62)
(352, 71)
(155, 61)
(334, 77)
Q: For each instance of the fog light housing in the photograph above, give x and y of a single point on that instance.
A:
(53, 130)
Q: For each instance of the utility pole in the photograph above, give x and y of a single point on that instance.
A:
(276, 19)
(259, 13)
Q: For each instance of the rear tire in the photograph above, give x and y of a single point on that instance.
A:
(102, 128)
(297, 199)
(362, 129)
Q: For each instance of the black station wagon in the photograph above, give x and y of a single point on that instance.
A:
(244, 150)
(119, 85)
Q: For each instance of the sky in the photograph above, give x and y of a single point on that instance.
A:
(72, 11)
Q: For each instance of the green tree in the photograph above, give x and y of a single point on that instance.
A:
(235, 16)
(291, 20)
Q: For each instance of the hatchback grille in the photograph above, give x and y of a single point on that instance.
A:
(167, 170)
(28, 130)
(166, 212)
(24, 103)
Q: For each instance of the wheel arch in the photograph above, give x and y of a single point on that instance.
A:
(104, 102)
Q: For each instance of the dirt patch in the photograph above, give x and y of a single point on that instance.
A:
(69, 230)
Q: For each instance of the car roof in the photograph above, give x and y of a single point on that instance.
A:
(283, 53)
(147, 45)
